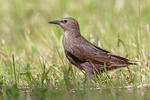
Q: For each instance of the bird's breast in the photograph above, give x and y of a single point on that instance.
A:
(67, 40)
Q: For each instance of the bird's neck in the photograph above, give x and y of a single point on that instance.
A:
(71, 33)
(69, 37)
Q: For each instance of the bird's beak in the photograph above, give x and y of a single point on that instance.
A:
(54, 22)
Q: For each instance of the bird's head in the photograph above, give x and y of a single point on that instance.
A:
(67, 24)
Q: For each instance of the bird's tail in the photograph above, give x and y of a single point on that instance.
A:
(132, 62)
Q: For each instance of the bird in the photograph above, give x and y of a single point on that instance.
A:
(85, 55)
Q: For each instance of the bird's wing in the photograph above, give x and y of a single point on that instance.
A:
(90, 52)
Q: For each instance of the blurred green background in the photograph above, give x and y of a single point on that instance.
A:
(32, 60)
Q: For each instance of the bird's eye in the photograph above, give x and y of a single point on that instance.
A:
(65, 21)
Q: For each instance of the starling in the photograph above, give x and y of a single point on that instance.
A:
(85, 55)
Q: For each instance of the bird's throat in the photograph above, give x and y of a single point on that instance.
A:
(69, 37)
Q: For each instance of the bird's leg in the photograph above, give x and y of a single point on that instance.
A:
(130, 74)
(89, 80)
(89, 75)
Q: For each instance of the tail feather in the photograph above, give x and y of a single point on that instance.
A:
(121, 61)
(131, 62)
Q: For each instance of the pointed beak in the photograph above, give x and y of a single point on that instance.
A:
(54, 22)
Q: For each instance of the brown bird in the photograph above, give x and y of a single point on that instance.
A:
(85, 55)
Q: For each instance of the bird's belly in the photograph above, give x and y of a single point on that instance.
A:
(90, 67)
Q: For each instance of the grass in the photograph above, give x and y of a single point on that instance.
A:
(32, 61)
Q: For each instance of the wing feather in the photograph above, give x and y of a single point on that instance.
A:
(89, 52)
